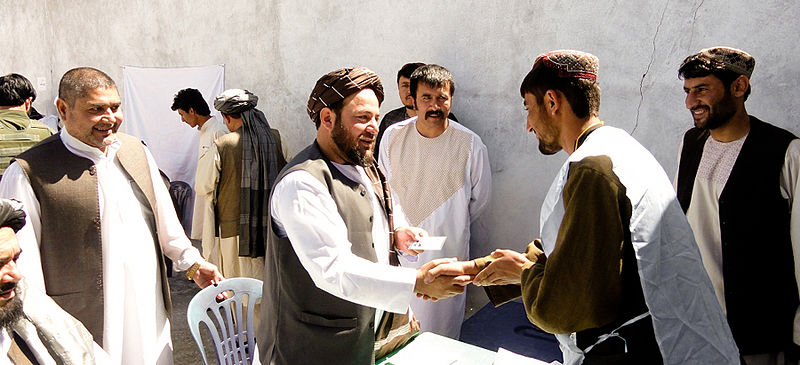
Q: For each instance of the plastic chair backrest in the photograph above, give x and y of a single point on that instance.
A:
(234, 343)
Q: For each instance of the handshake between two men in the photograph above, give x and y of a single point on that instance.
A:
(444, 278)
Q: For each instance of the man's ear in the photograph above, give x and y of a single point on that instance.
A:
(191, 111)
(327, 118)
(61, 106)
(552, 101)
(28, 104)
(739, 86)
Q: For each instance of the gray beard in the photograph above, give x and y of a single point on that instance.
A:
(12, 311)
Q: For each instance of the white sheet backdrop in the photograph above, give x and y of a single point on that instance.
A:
(147, 98)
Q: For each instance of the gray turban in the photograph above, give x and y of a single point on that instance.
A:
(233, 101)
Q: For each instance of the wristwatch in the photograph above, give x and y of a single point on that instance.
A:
(192, 270)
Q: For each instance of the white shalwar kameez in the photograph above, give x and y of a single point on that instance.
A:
(136, 328)
(713, 172)
(210, 131)
(442, 184)
(303, 210)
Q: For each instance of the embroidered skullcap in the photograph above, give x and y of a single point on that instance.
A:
(337, 85)
(731, 59)
(570, 63)
(234, 101)
(11, 214)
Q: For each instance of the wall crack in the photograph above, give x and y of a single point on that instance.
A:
(647, 70)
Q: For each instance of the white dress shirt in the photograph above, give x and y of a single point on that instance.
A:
(304, 211)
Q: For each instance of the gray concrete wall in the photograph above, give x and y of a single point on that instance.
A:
(278, 49)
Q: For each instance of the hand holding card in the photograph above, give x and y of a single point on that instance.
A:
(428, 243)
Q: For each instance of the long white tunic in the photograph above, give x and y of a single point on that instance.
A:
(442, 184)
(687, 319)
(210, 131)
(136, 328)
(713, 171)
(304, 211)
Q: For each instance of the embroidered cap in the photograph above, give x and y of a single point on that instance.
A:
(570, 63)
(727, 58)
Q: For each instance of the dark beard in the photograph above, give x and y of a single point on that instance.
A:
(12, 311)
(349, 146)
(719, 113)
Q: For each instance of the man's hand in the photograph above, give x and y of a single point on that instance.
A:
(405, 236)
(208, 274)
(452, 268)
(441, 287)
(506, 268)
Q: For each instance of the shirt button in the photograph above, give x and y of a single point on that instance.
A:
(93, 170)
(370, 219)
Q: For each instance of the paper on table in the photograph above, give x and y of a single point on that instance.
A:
(505, 357)
(429, 243)
(428, 357)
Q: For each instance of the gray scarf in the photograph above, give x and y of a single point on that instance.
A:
(261, 162)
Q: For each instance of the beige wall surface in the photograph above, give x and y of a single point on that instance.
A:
(278, 49)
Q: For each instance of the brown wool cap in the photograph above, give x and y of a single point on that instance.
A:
(337, 85)
(731, 59)
(570, 63)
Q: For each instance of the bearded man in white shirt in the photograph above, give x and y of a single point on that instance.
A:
(737, 181)
(330, 283)
(98, 226)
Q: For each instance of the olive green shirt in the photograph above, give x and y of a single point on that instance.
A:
(590, 280)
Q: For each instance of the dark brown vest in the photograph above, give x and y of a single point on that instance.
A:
(229, 189)
(300, 323)
(70, 245)
(757, 261)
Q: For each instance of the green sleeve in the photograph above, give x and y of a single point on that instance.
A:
(579, 285)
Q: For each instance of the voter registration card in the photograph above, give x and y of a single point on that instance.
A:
(429, 243)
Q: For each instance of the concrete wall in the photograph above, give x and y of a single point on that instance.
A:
(278, 49)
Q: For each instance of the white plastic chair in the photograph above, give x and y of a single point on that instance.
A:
(233, 342)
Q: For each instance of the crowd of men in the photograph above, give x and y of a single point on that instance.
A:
(624, 271)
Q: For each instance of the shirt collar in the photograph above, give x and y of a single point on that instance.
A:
(207, 124)
(84, 150)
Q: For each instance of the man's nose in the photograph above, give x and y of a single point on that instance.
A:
(691, 101)
(10, 273)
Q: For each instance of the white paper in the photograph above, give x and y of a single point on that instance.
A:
(429, 243)
(505, 357)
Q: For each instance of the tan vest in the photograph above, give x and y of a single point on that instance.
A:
(300, 323)
(70, 245)
(229, 190)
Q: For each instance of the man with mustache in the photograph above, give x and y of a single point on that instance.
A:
(737, 183)
(407, 110)
(439, 173)
(332, 288)
(33, 328)
(100, 222)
